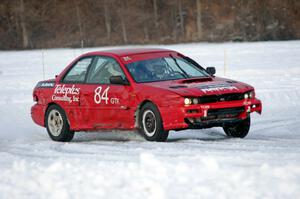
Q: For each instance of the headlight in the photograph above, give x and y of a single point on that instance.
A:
(187, 101)
(250, 95)
(195, 101)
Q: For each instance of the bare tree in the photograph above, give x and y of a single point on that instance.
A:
(122, 16)
(124, 32)
(79, 22)
(199, 20)
(107, 20)
(25, 38)
(155, 13)
(181, 19)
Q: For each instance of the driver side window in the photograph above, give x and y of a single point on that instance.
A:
(78, 72)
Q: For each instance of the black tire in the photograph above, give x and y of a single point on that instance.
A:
(57, 124)
(150, 124)
(239, 130)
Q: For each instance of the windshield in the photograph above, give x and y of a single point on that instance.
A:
(165, 68)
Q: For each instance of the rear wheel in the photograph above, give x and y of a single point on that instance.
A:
(57, 124)
(239, 129)
(151, 124)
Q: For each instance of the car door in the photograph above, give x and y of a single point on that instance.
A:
(107, 104)
(68, 92)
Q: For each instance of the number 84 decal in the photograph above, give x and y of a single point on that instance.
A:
(99, 96)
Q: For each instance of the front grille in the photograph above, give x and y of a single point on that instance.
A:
(223, 113)
(221, 98)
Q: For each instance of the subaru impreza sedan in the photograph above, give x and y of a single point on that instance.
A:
(151, 90)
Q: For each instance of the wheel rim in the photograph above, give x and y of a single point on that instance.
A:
(55, 122)
(149, 123)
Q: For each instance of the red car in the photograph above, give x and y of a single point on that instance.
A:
(152, 90)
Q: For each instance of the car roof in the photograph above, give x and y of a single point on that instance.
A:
(129, 51)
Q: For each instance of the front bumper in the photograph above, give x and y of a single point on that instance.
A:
(208, 115)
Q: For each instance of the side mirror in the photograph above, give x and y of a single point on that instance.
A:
(211, 70)
(118, 80)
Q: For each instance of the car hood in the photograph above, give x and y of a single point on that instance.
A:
(202, 86)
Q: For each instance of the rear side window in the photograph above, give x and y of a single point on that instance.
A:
(79, 70)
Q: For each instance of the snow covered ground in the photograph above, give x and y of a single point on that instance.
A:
(192, 164)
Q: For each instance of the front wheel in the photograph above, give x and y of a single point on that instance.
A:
(57, 124)
(151, 124)
(239, 129)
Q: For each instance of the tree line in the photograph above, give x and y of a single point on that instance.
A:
(26, 24)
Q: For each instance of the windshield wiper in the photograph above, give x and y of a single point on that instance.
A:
(183, 72)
